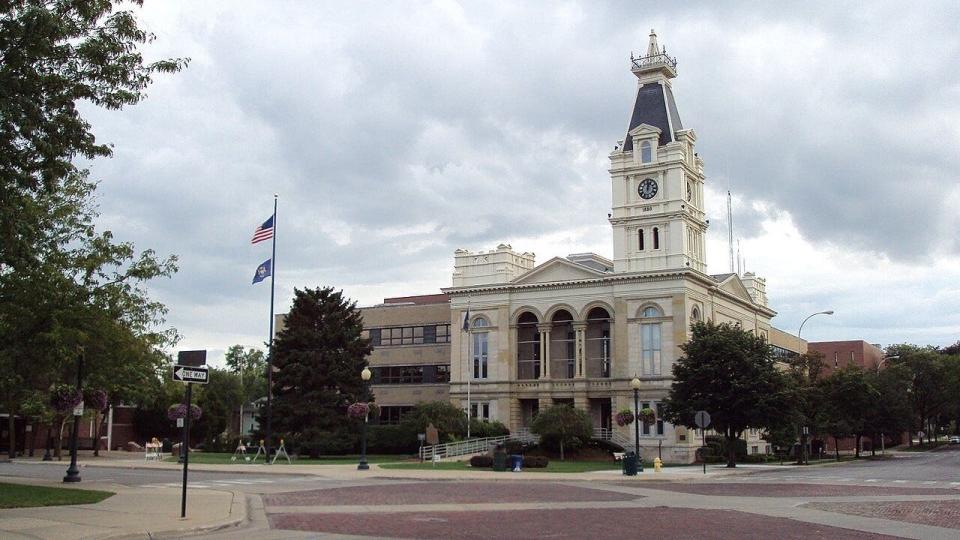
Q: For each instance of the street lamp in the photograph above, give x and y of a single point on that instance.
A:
(803, 435)
(73, 472)
(365, 375)
(799, 341)
(635, 384)
(883, 436)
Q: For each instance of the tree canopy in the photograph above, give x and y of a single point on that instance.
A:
(65, 288)
(562, 427)
(729, 373)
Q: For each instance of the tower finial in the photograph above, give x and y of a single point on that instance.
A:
(652, 48)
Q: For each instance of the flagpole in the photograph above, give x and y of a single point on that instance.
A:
(466, 324)
(273, 277)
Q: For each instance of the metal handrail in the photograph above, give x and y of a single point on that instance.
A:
(474, 446)
(652, 60)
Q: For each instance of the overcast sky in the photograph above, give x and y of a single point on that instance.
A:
(397, 132)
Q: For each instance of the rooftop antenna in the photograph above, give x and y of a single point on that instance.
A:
(730, 229)
(739, 260)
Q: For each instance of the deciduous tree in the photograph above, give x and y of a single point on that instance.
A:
(729, 373)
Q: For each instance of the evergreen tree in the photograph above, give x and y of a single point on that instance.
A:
(729, 373)
(318, 356)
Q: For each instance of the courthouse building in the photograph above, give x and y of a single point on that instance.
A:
(577, 329)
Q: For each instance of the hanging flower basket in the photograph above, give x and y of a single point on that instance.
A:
(96, 400)
(63, 398)
(647, 416)
(363, 410)
(180, 411)
(624, 417)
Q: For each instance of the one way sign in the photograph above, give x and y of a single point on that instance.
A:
(190, 374)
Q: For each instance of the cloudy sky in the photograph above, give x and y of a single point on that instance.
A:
(397, 132)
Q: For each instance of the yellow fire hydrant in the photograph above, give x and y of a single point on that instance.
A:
(657, 464)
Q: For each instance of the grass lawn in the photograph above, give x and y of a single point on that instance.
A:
(921, 447)
(23, 496)
(569, 466)
(216, 458)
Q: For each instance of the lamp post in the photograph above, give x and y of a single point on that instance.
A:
(883, 437)
(73, 472)
(365, 375)
(803, 436)
(635, 384)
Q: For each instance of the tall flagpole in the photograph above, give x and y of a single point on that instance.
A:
(470, 364)
(273, 277)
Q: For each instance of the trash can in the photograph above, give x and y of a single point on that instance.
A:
(516, 462)
(499, 461)
(630, 464)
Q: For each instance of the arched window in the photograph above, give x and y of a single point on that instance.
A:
(563, 353)
(598, 346)
(695, 314)
(481, 322)
(646, 152)
(656, 238)
(650, 343)
(640, 239)
(528, 347)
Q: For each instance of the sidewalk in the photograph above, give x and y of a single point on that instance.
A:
(131, 513)
(350, 472)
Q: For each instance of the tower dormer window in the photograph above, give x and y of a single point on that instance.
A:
(646, 152)
(656, 238)
(640, 239)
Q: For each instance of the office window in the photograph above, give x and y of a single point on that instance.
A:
(656, 238)
(659, 410)
(640, 239)
(480, 411)
(443, 374)
(392, 414)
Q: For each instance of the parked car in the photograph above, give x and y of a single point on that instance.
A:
(955, 439)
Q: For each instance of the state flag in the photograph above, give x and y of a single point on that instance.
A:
(263, 271)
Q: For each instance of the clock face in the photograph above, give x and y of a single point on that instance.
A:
(648, 188)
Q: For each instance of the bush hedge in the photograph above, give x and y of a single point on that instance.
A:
(483, 461)
(535, 462)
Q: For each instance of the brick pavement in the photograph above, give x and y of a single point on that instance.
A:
(445, 493)
(789, 490)
(658, 522)
(936, 513)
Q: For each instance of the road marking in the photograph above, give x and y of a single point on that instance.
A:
(871, 480)
(929, 482)
(899, 481)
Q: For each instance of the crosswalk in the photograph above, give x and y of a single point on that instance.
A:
(227, 483)
(829, 479)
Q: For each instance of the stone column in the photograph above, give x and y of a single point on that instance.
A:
(544, 329)
(579, 347)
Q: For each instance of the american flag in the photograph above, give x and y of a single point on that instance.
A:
(263, 232)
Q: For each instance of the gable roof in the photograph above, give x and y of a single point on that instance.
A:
(557, 269)
(731, 283)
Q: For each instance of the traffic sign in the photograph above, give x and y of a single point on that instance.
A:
(702, 418)
(190, 374)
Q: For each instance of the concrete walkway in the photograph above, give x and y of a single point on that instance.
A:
(131, 513)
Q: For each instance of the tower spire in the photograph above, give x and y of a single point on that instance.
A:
(652, 48)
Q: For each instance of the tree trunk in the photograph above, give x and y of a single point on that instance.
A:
(731, 451)
(13, 434)
(96, 433)
(59, 447)
(561, 449)
(856, 442)
(33, 438)
(836, 447)
(873, 445)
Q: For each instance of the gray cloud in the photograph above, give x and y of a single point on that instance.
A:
(468, 124)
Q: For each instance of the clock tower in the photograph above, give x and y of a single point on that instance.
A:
(658, 216)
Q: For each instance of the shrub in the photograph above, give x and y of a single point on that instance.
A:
(391, 439)
(535, 462)
(326, 443)
(482, 428)
(483, 461)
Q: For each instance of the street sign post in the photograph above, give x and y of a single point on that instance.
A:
(702, 419)
(190, 370)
